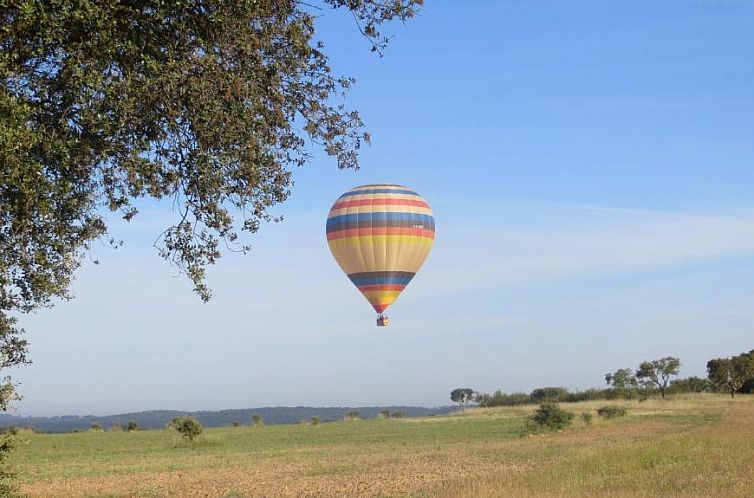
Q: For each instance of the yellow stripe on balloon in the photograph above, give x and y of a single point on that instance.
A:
(389, 239)
(381, 295)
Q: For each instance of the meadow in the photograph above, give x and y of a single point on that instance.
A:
(692, 445)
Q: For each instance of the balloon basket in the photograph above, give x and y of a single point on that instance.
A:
(383, 321)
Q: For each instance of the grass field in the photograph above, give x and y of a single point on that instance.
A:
(699, 445)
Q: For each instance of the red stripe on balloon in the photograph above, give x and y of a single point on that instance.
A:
(392, 287)
(366, 232)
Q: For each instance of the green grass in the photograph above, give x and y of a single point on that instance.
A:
(692, 446)
(65, 456)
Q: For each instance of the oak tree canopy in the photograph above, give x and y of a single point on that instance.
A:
(205, 103)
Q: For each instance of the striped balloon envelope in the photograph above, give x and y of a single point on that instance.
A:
(380, 235)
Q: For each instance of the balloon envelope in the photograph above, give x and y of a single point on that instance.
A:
(380, 235)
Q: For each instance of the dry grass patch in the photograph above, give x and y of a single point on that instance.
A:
(696, 446)
(662, 456)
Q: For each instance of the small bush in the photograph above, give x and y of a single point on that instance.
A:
(353, 415)
(132, 426)
(188, 427)
(612, 411)
(236, 423)
(256, 419)
(550, 415)
(397, 414)
(314, 420)
(586, 417)
(8, 482)
(96, 427)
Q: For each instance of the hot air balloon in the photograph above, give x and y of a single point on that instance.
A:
(380, 235)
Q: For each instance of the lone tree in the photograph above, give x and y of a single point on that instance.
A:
(462, 395)
(256, 419)
(731, 373)
(188, 427)
(658, 372)
(206, 104)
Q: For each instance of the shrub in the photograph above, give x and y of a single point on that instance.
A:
(586, 417)
(385, 413)
(690, 385)
(236, 423)
(352, 415)
(550, 415)
(95, 427)
(256, 419)
(132, 426)
(8, 483)
(188, 427)
(611, 411)
(586, 395)
(499, 398)
(314, 420)
(397, 414)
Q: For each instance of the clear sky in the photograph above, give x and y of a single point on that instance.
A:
(591, 169)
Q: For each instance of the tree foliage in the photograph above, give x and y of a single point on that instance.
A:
(188, 427)
(549, 414)
(748, 386)
(542, 394)
(690, 385)
(731, 373)
(658, 372)
(8, 480)
(624, 382)
(206, 104)
(462, 395)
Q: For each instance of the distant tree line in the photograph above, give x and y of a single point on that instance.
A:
(158, 419)
(731, 375)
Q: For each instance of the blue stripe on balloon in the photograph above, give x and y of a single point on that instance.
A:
(335, 222)
(361, 281)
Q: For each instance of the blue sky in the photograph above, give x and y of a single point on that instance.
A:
(590, 168)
